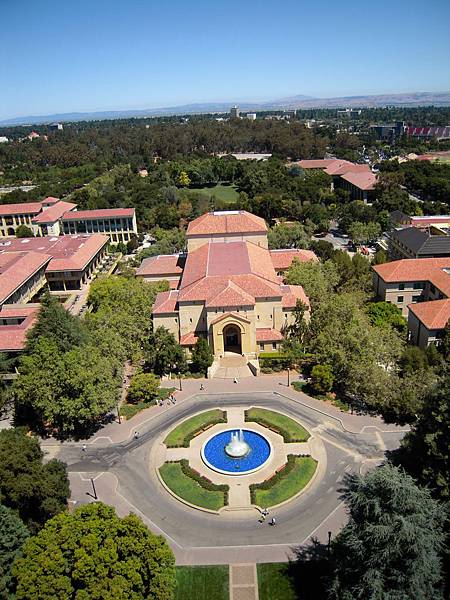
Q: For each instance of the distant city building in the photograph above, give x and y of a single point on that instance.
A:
(414, 242)
(251, 116)
(15, 322)
(351, 113)
(143, 173)
(3, 139)
(247, 155)
(56, 217)
(388, 133)
(33, 135)
(56, 126)
(421, 289)
(400, 219)
(234, 112)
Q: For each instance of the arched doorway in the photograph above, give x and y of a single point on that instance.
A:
(232, 339)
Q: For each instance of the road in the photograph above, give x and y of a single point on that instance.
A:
(124, 479)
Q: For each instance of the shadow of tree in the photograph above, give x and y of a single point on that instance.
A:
(309, 571)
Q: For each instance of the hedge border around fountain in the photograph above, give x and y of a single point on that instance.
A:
(265, 420)
(220, 416)
(200, 480)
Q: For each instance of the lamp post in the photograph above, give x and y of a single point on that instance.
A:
(329, 543)
(288, 373)
(94, 490)
(179, 378)
(118, 413)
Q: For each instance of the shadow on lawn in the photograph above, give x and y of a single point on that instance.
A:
(309, 572)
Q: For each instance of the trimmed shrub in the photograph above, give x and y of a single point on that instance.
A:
(204, 482)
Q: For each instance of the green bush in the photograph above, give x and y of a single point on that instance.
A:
(143, 388)
(204, 481)
(322, 378)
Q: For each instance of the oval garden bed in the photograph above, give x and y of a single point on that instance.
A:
(183, 433)
(290, 430)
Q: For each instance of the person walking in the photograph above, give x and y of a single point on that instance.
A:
(273, 522)
(136, 435)
(84, 448)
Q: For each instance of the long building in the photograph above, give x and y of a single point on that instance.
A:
(228, 290)
(57, 217)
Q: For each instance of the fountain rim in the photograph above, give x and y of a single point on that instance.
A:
(234, 473)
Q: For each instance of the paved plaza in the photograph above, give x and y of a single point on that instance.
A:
(118, 461)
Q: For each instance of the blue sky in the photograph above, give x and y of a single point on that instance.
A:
(70, 55)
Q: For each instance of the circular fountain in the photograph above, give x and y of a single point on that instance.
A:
(236, 452)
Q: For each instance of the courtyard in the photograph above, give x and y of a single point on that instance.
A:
(121, 461)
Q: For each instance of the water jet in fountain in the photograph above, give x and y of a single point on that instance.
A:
(237, 447)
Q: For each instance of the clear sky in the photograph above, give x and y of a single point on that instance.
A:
(80, 55)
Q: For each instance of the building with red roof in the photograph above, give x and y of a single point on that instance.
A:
(55, 217)
(229, 286)
(15, 322)
(420, 287)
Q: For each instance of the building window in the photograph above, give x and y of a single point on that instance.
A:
(418, 285)
(432, 288)
(416, 298)
(399, 299)
(274, 345)
(401, 286)
(190, 319)
(261, 346)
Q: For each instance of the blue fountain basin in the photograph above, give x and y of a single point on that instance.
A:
(214, 455)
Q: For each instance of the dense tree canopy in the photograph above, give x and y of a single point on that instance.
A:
(13, 534)
(92, 554)
(390, 547)
(37, 491)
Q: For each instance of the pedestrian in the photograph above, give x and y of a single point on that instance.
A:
(263, 518)
(84, 448)
(235, 380)
(265, 512)
(273, 522)
(201, 387)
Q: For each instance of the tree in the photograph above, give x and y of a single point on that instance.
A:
(386, 314)
(55, 323)
(380, 257)
(317, 279)
(68, 392)
(390, 546)
(183, 179)
(164, 353)
(288, 235)
(143, 388)
(425, 451)
(202, 357)
(13, 534)
(36, 491)
(363, 233)
(23, 232)
(322, 378)
(93, 554)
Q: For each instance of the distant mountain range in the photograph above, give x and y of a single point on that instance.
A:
(412, 99)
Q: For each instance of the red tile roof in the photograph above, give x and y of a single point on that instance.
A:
(164, 264)
(188, 339)
(292, 293)
(268, 335)
(26, 208)
(363, 181)
(340, 167)
(321, 163)
(13, 337)
(417, 269)
(231, 295)
(54, 213)
(434, 314)
(50, 200)
(101, 213)
(226, 222)
(16, 268)
(166, 302)
(282, 259)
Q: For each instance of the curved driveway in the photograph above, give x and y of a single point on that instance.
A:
(123, 479)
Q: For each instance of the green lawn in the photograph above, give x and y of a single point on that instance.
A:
(225, 193)
(183, 433)
(285, 426)
(274, 582)
(210, 583)
(129, 410)
(286, 486)
(190, 490)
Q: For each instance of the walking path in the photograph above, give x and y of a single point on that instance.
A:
(243, 582)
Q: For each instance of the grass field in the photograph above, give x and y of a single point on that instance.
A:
(289, 485)
(210, 583)
(183, 433)
(274, 582)
(187, 488)
(225, 193)
(287, 427)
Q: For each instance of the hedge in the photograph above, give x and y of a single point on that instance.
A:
(212, 419)
(204, 482)
(301, 434)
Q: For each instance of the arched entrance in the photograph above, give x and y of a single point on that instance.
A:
(232, 339)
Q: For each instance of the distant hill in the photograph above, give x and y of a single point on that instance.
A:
(409, 100)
